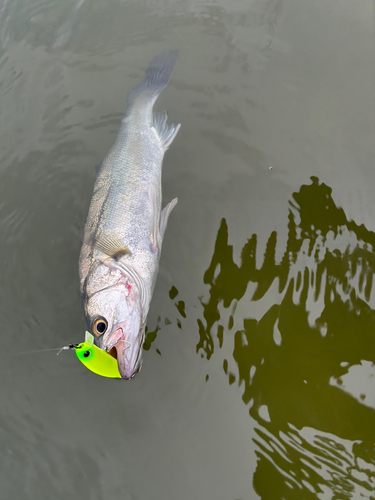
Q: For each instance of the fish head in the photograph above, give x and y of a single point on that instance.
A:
(114, 317)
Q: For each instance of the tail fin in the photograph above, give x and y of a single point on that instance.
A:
(157, 76)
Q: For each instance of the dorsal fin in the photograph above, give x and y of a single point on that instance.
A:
(165, 132)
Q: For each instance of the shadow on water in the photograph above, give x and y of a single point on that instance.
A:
(315, 439)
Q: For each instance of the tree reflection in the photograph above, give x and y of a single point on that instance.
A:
(321, 325)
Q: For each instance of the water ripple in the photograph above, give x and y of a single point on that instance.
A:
(292, 360)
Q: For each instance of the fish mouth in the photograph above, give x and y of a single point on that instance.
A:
(127, 351)
(113, 352)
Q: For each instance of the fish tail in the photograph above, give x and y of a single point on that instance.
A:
(158, 74)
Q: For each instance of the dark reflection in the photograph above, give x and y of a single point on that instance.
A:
(151, 336)
(319, 325)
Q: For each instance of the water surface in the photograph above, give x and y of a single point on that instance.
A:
(258, 375)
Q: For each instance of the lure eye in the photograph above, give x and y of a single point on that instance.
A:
(99, 326)
(86, 354)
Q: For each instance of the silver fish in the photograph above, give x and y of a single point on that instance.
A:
(125, 225)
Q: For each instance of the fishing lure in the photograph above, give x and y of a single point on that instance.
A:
(95, 359)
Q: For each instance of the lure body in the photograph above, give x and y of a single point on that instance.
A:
(97, 360)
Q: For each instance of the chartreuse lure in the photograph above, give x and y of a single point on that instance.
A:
(95, 359)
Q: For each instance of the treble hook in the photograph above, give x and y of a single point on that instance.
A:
(117, 341)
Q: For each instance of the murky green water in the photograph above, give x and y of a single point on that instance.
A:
(258, 376)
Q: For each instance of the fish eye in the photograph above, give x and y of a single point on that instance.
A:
(99, 326)
(86, 354)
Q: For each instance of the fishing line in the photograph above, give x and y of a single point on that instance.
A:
(70, 346)
(40, 350)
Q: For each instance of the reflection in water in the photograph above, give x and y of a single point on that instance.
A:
(314, 439)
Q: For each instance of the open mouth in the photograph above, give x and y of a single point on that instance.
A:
(112, 349)
(113, 352)
(127, 355)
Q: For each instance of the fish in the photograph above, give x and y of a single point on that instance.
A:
(125, 225)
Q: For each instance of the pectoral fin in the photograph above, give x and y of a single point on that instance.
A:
(108, 243)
